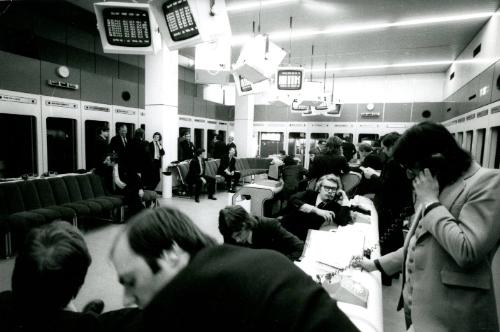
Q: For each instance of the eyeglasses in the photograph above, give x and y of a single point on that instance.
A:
(328, 188)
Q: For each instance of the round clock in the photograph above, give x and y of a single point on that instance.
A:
(63, 71)
(370, 106)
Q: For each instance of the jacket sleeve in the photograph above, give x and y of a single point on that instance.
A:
(476, 232)
(392, 262)
(297, 200)
(286, 243)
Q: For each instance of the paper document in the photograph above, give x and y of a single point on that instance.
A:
(333, 248)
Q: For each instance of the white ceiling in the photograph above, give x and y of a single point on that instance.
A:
(387, 46)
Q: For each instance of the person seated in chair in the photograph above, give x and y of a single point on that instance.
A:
(196, 176)
(227, 169)
(327, 205)
(240, 228)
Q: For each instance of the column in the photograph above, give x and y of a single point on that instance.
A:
(161, 99)
(243, 125)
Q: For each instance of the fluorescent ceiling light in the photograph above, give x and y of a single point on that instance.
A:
(402, 65)
(356, 28)
(255, 5)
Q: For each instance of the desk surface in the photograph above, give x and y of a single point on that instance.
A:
(371, 317)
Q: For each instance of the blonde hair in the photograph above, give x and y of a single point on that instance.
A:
(328, 177)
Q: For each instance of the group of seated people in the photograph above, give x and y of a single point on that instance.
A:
(181, 279)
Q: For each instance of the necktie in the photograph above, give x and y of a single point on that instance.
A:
(321, 205)
(124, 140)
(157, 150)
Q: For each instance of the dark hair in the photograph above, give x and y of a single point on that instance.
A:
(157, 133)
(199, 151)
(153, 231)
(51, 267)
(333, 145)
(289, 160)
(390, 139)
(102, 129)
(421, 142)
(232, 219)
(365, 147)
(139, 134)
(283, 152)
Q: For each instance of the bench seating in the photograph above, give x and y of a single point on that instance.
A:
(31, 203)
(246, 166)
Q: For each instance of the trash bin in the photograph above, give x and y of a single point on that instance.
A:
(167, 185)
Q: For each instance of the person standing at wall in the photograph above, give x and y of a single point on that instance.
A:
(156, 151)
(186, 147)
(99, 149)
(220, 148)
(119, 142)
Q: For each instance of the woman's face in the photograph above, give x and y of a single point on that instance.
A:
(156, 137)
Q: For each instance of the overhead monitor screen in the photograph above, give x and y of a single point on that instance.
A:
(289, 79)
(127, 27)
(180, 22)
(245, 85)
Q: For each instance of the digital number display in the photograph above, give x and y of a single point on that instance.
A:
(289, 79)
(180, 22)
(245, 85)
(127, 27)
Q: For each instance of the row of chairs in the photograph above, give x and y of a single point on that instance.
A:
(74, 198)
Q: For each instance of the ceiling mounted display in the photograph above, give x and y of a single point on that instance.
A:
(244, 87)
(213, 62)
(127, 28)
(186, 23)
(259, 59)
(289, 78)
(297, 108)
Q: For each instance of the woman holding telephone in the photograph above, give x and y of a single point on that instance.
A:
(156, 151)
(447, 254)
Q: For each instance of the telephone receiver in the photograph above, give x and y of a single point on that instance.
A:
(435, 163)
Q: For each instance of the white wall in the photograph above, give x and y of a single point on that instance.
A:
(390, 88)
(466, 67)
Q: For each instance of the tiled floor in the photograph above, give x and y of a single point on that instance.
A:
(101, 279)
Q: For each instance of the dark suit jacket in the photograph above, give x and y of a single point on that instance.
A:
(299, 222)
(194, 170)
(99, 151)
(326, 164)
(186, 150)
(152, 150)
(220, 150)
(225, 163)
(116, 145)
(227, 289)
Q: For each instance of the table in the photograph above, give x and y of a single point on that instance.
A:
(370, 318)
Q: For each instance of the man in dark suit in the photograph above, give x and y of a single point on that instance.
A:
(99, 149)
(240, 228)
(220, 148)
(330, 161)
(328, 205)
(186, 282)
(186, 147)
(119, 142)
(196, 176)
(227, 169)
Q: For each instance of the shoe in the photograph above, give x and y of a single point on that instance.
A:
(197, 200)
(212, 198)
(94, 307)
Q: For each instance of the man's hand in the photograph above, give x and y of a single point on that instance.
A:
(368, 172)
(141, 193)
(325, 214)
(203, 180)
(426, 187)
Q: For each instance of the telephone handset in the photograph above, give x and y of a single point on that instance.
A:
(435, 163)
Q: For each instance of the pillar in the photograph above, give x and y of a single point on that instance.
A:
(243, 125)
(161, 99)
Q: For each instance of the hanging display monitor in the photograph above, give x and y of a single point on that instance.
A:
(180, 21)
(245, 87)
(297, 108)
(127, 28)
(289, 78)
(186, 23)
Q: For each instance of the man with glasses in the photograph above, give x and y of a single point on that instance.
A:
(327, 205)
